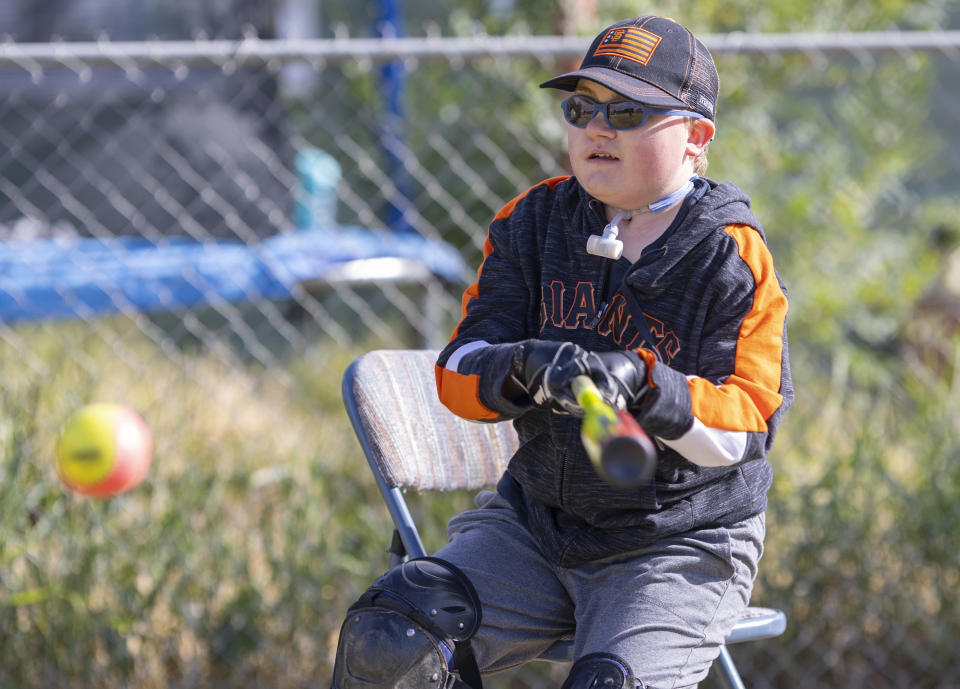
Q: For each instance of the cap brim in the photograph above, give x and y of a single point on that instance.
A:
(626, 85)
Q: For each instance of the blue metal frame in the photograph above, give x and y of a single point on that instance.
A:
(393, 84)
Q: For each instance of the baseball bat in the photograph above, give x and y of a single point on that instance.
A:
(621, 452)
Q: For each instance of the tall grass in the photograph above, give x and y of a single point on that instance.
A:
(861, 528)
(233, 563)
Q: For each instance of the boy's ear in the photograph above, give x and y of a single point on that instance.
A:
(701, 134)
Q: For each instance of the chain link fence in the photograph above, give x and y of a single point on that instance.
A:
(209, 231)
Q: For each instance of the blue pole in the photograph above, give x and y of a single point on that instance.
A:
(392, 134)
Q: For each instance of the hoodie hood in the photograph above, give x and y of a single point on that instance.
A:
(721, 205)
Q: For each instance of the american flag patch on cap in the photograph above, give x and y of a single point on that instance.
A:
(629, 42)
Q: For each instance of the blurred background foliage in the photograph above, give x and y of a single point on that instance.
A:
(259, 524)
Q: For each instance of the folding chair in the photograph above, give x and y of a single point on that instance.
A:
(412, 441)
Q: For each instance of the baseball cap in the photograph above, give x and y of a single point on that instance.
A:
(652, 60)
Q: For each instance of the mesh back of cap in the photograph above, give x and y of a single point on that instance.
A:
(704, 84)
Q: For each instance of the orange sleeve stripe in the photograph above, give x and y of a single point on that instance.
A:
(507, 210)
(473, 291)
(460, 394)
(750, 396)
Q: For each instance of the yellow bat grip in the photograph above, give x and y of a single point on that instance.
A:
(599, 417)
(620, 451)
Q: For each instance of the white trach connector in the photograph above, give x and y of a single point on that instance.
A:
(608, 245)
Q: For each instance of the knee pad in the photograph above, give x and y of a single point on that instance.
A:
(409, 630)
(601, 671)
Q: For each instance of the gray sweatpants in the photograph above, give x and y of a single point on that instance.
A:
(664, 610)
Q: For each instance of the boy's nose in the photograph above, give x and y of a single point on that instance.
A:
(598, 125)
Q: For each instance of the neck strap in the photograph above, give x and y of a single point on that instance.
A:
(670, 199)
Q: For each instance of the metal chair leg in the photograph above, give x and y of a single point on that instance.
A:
(728, 674)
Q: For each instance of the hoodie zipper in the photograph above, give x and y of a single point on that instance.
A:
(601, 290)
(563, 475)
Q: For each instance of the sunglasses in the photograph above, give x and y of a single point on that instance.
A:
(578, 110)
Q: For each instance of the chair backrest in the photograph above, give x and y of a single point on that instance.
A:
(415, 441)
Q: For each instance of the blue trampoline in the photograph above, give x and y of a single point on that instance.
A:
(51, 279)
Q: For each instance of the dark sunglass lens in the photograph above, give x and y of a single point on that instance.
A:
(579, 111)
(625, 114)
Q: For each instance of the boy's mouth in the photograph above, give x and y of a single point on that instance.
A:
(602, 155)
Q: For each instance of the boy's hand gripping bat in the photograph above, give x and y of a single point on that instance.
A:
(621, 452)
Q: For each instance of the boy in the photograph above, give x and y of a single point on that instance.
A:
(658, 284)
